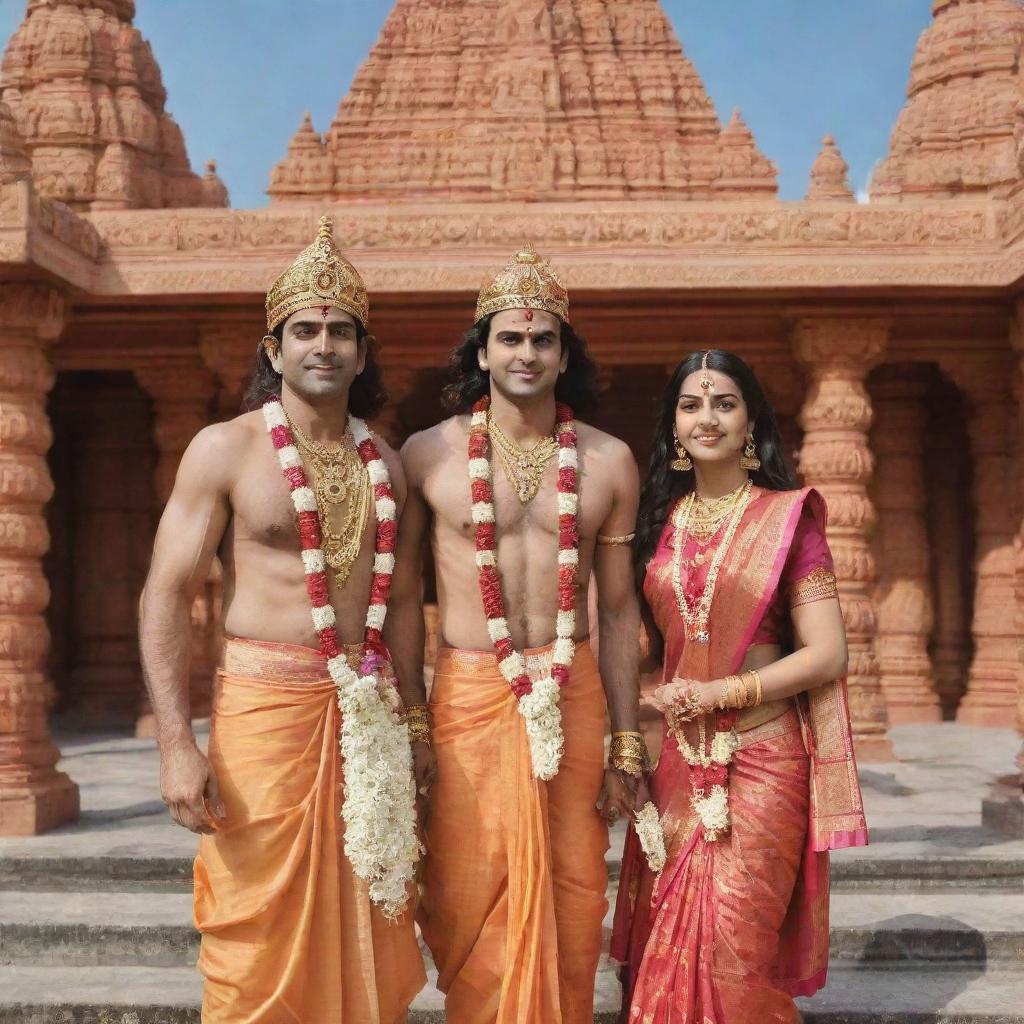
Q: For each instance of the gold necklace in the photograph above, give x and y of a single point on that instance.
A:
(695, 619)
(523, 467)
(708, 515)
(342, 487)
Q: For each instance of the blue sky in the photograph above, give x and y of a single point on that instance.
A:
(240, 73)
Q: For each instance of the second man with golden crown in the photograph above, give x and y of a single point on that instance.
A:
(522, 504)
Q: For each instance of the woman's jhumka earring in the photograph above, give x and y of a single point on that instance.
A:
(749, 459)
(682, 462)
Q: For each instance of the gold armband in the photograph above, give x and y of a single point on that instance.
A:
(417, 718)
(628, 753)
(626, 538)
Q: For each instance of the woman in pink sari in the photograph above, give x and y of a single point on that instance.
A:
(756, 779)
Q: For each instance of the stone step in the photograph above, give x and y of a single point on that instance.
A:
(174, 874)
(917, 995)
(171, 995)
(154, 930)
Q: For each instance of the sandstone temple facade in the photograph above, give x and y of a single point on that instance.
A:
(890, 334)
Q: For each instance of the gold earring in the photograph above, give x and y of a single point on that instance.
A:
(682, 462)
(749, 459)
(274, 343)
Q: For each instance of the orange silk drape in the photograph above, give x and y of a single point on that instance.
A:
(289, 933)
(515, 878)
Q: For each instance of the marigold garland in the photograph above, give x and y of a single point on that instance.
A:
(538, 701)
(379, 807)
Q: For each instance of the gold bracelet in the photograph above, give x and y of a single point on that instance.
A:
(758, 696)
(417, 717)
(628, 753)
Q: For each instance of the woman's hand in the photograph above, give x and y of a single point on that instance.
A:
(682, 700)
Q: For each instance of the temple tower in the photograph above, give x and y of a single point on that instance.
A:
(486, 100)
(88, 102)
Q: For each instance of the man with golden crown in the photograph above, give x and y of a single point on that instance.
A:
(305, 799)
(522, 504)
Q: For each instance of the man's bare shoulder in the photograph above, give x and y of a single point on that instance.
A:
(612, 452)
(393, 461)
(426, 448)
(217, 451)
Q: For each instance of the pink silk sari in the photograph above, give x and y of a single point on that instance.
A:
(731, 930)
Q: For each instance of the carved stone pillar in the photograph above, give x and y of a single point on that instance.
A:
(991, 697)
(837, 354)
(903, 594)
(950, 525)
(34, 796)
(182, 394)
(1017, 339)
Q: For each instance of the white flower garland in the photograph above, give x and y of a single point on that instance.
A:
(379, 806)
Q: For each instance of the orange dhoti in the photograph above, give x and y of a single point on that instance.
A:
(515, 878)
(289, 933)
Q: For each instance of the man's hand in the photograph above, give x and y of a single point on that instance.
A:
(618, 796)
(189, 788)
(424, 766)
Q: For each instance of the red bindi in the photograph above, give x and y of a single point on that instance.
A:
(529, 314)
(324, 310)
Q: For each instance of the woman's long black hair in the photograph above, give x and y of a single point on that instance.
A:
(665, 485)
(366, 396)
(577, 387)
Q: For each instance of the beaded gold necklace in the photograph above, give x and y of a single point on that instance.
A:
(695, 619)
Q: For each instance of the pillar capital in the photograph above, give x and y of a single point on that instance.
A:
(31, 308)
(228, 349)
(840, 346)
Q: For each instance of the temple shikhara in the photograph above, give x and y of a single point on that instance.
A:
(889, 334)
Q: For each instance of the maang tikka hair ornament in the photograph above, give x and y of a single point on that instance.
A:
(707, 383)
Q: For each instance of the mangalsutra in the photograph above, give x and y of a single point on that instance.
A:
(342, 488)
(523, 467)
(695, 619)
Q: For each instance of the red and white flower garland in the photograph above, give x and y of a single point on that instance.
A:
(538, 700)
(379, 808)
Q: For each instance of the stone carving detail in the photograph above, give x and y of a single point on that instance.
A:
(991, 697)
(34, 796)
(903, 595)
(828, 175)
(182, 393)
(960, 130)
(539, 99)
(837, 355)
(14, 163)
(88, 102)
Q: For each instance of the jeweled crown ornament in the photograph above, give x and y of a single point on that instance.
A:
(319, 276)
(526, 282)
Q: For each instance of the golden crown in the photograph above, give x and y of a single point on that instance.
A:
(320, 276)
(526, 282)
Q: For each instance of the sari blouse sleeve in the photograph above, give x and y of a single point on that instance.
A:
(809, 573)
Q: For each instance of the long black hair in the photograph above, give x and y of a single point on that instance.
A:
(366, 396)
(577, 387)
(664, 486)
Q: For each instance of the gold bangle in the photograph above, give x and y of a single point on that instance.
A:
(417, 718)
(628, 753)
(758, 696)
